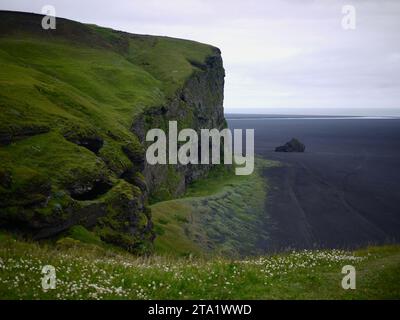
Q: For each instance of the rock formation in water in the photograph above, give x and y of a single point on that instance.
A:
(293, 145)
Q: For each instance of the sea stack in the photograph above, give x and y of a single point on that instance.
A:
(293, 145)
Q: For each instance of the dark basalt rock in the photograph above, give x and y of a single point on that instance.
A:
(197, 105)
(5, 179)
(90, 190)
(10, 135)
(5, 138)
(135, 154)
(131, 177)
(111, 201)
(92, 143)
(34, 192)
(293, 145)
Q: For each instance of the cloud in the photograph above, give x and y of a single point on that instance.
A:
(280, 53)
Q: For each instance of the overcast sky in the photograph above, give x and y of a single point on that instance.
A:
(278, 53)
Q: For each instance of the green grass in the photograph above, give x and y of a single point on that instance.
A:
(79, 81)
(221, 214)
(91, 272)
(82, 235)
(217, 180)
(81, 88)
(89, 81)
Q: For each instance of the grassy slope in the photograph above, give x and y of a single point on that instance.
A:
(91, 272)
(66, 83)
(218, 215)
(83, 79)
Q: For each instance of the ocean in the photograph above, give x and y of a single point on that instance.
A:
(343, 192)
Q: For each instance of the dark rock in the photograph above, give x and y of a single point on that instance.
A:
(120, 216)
(9, 135)
(64, 218)
(135, 154)
(199, 65)
(198, 105)
(5, 138)
(91, 142)
(293, 145)
(135, 179)
(5, 179)
(34, 192)
(89, 190)
(129, 223)
(140, 183)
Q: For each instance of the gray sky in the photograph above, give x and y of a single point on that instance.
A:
(278, 53)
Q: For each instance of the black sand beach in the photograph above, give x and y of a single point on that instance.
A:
(343, 192)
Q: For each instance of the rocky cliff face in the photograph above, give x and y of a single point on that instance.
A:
(73, 125)
(197, 105)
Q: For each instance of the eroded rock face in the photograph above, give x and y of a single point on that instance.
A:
(293, 145)
(90, 141)
(19, 133)
(5, 179)
(80, 166)
(112, 203)
(90, 190)
(198, 105)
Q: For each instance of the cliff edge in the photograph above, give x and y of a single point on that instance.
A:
(75, 104)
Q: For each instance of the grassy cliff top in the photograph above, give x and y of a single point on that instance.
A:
(57, 86)
(86, 271)
(79, 73)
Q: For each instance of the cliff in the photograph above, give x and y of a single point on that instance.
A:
(75, 104)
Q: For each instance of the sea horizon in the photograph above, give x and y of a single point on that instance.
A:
(378, 113)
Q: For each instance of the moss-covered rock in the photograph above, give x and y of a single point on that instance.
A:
(75, 104)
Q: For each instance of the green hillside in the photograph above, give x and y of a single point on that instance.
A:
(91, 272)
(221, 215)
(68, 98)
(58, 84)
